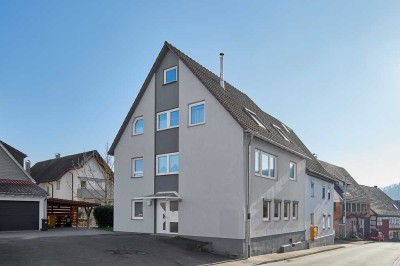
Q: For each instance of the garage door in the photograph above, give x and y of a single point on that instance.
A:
(19, 215)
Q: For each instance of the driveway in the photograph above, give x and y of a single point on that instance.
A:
(103, 248)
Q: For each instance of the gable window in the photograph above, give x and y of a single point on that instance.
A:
(170, 75)
(267, 164)
(83, 184)
(266, 210)
(312, 188)
(48, 189)
(277, 209)
(323, 192)
(137, 210)
(292, 170)
(168, 119)
(255, 118)
(137, 167)
(295, 210)
(58, 185)
(167, 164)
(329, 194)
(286, 210)
(197, 115)
(281, 133)
(138, 126)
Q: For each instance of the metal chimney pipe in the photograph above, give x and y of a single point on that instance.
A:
(28, 166)
(221, 77)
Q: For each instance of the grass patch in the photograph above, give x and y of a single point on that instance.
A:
(106, 228)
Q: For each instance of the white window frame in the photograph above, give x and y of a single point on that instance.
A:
(295, 206)
(134, 126)
(329, 221)
(312, 189)
(324, 222)
(268, 218)
(257, 154)
(285, 204)
(260, 165)
(190, 113)
(168, 112)
(133, 217)
(58, 184)
(134, 172)
(279, 202)
(295, 171)
(255, 118)
(165, 75)
(168, 170)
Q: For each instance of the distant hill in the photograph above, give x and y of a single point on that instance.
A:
(393, 191)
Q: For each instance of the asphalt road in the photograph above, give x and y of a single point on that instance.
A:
(370, 254)
(106, 249)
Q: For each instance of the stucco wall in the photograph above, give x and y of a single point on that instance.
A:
(281, 189)
(319, 207)
(126, 188)
(211, 177)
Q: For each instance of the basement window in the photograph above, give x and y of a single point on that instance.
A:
(255, 118)
(266, 210)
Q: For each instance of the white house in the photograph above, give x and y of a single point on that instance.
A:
(196, 157)
(78, 177)
(22, 202)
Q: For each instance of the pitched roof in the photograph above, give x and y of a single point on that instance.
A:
(54, 169)
(17, 154)
(380, 203)
(21, 187)
(236, 103)
(355, 192)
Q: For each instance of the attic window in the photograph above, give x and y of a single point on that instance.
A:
(281, 133)
(255, 118)
(286, 127)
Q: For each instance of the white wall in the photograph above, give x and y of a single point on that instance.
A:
(211, 176)
(318, 206)
(126, 188)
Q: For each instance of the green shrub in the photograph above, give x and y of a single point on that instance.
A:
(104, 215)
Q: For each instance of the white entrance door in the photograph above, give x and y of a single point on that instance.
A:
(167, 217)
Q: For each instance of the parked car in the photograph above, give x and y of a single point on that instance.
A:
(377, 236)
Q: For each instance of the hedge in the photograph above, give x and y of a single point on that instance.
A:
(104, 215)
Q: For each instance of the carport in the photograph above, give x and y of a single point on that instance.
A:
(63, 208)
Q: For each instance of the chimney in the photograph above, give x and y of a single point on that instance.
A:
(221, 76)
(28, 166)
(315, 155)
(375, 186)
(58, 155)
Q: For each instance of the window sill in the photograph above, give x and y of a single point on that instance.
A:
(137, 218)
(137, 176)
(167, 128)
(286, 219)
(171, 173)
(266, 220)
(267, 177)
(167, 83)
(198, 124)
(133, 135)
(292, 179)
(294, 218)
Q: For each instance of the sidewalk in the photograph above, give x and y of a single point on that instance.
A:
(275, 257)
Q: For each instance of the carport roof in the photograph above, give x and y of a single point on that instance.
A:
(71, 203)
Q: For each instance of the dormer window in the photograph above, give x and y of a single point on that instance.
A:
(255, 118)
(281, 133)
(170, 75)
(286, 127)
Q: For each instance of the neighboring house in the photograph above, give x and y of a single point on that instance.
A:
(195, 157)
(357, 204)
(22, 202)
(384, 214)
(77, 177)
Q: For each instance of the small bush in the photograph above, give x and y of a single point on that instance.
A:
(104, 215)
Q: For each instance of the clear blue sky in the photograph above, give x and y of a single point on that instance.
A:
(70, 70)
